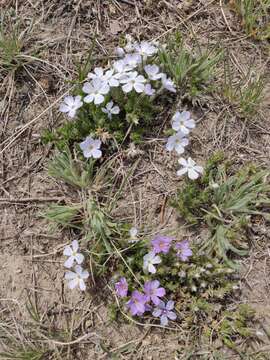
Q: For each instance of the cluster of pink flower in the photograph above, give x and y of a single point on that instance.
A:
(163, 244)
(150, 298)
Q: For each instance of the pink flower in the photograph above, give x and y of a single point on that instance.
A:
(137, 302)
(161, 243)
(184, 251)
(153, 292)
(164, 312)
(121, 287)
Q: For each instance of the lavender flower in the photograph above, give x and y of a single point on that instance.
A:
(184, 251)
(121, 287)
(161, 243)
(137, 302)
(164, 312)
(148, 90)
(153, 292)
(110, 109)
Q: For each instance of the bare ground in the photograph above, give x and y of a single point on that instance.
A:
(31, 261)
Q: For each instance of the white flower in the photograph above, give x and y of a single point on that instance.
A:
(77, 277)
(108, 77)
(121, 67)
(96, 89)
(111, 78)
(91, 148)
(111, 110)
(167, 83)
(183, 122)
(132, 60)
(133, 232)
(145, 49)
(130, 43)
(152, 72)
(189, 167)
(133, 81)
(149, 90)
(71, 105)
(73, 254)
(177, 142)
(149, 260)
(119, 51)
(97, 74)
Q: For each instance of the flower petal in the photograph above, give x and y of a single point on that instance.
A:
(75, 245)
(79, 258)
(96, 154)
(69, 262)
(164, 320)
(151, 269)
(192, 174)
(156, 260)
(73, 283)
(85, 274)
(82, 285)
(181, 172)
(64, 108)
(171, 315)
(157, 312)
(170, 305)
(89, 98)
(69, 275)
(99, 99)
(67, 251)
(127, 88)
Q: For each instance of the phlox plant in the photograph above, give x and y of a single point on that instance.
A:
(150, 297)
(117, 101)
(166, 272)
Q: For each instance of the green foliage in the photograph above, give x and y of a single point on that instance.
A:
(236, 323)
(190, 72)
(201, 278)
(225, 203)
(23, 354)
(66, 216)
(255, 17)
(95, 226)
(137, 113)
(73, 172)
(246, 94)
(13, 39)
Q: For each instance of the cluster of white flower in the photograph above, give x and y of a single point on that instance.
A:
(182, 124)
(78, 276)
(129, 73)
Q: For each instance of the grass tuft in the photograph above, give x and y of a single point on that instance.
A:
(255, 17)
(190, 72)
(225, 202)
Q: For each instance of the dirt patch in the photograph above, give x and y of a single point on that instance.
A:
(30, 256)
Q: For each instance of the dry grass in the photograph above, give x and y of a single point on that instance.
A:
(70, 325)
